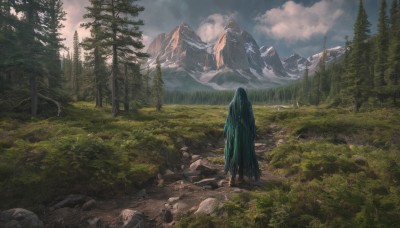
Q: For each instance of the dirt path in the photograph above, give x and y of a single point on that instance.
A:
(179, 192)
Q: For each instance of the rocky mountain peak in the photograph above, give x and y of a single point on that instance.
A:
(232, 25)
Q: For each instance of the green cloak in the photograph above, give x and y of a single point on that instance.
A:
(240, 133)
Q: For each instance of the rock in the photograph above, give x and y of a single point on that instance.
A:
(70, 201)
(184, 149)
(186, 155)
(89, 205)
(195, 157)
(179, 207)
(94, 222)
(19, 218)
(207, 206)
(141, 194)
(198, 166)
(131, 219)
(221, 183)
(280, 142)
(173, 199)
(193, 178)
(212, 182)
(171, 176)
(166, 216)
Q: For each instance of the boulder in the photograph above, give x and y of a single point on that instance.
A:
(207, 206)
(89, 205)
(71, 201)
(171, 176)
(19, 218)
(173, 199)
(179, 207)
(195, 157)
(166, 216)
(198, 166)
(131, 219)
(212, 182)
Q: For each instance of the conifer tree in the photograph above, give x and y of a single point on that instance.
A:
(305, 95)
(158, 87)
(31, 32)
(76, 63)
(382, 53)
(359, 75)
(95, 45)
(122, 36)
(394, 52)
(54, 15)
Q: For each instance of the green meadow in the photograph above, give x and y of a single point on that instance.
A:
(340, 169)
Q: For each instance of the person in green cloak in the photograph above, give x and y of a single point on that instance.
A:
(240, 133)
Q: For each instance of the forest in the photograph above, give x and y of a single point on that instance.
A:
(94, 124)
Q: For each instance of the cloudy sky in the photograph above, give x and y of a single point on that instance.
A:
(291, 26)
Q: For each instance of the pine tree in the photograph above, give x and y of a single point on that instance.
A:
(305, 95)
(146, 89)
(123, 38)
(394, 52)
(359, 75)
(382, 53)
(95, 45)
(53, 21)
(76, 63)
(158, 87)
(30, 31)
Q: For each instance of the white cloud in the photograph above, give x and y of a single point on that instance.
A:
(212, 26)
(295, 22)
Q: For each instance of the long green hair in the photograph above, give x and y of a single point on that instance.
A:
(240, 134)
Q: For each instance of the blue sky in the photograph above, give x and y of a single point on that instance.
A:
(291, 26)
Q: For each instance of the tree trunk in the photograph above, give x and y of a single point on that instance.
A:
(126, 89)
(99, 96)
(114, 110)
(34, 95)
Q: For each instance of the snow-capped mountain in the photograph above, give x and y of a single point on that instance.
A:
(272, 60)
(295, 64)
(234, 59)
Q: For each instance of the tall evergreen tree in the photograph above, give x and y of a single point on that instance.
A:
(31, 32)
(95, 45)
(158, 84)
(54, 15)
(394, 52)
(359, 74)
(382, 53)
(122, 36)
(76, 63)
(305, 95)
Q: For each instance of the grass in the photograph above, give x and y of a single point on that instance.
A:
(87, 151)
(342, 169)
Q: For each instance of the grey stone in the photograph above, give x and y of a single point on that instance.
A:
(71, 201)
(198, 166)
(179, 207)
(207, 206)
(89, 205)
(186, 155)
(131, 219)
(19, 218)
(173, 199)
(166, 216)
(212, 182)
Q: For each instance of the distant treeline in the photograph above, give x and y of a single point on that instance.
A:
(281, 95)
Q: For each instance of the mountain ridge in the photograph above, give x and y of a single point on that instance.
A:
(234, 59)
